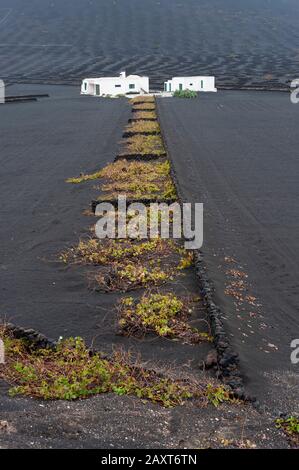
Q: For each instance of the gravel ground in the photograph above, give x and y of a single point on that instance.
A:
(112, 422)
(236, 152)
(44, 143)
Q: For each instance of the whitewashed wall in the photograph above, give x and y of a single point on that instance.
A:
(198, 83)
(115, 85)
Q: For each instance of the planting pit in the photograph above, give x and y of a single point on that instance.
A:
(109, 251)
(144, 145)
(126, 265)
(140, 157)
(138, 181)
(123, 170)
(157, 190)
(132, 134)
(163, 314)
(70, 371)
(114, 202)
(142, 127)
(131, 221)
(143, 107)
(126, 277)
(290, 426)
(142, 99)
(150, 191)
(144, 116)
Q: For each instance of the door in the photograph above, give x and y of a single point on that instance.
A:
(97, 90)
(181, 87)
(169, 86)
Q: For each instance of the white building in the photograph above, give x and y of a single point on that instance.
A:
(113, 86)
(197, 83)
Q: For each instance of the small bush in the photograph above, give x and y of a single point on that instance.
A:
(130, 264)
(290, 426)
(143, 126)
(144, 106)
(143, 99)
(147, 219)
(185, 94)
(160, 190)
(164, 314)
(130, 276)
(70, 372)
(82, 178)
(144, 144)
(109, 251)
(145, 115)
(124, 170)
(217, 395)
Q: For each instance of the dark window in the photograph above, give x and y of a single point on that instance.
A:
(131, 86)
(117, 86)
(191, 84)
(85, 86)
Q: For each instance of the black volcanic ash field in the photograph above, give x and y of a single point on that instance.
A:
(242, 42)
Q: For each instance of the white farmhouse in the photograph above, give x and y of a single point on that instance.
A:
(197, 83)
(113, 86)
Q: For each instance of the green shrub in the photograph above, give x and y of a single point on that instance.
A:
(185, 94)
(290, 425)
(163, 314)
(70, 371)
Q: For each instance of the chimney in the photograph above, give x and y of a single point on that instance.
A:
(122, 74)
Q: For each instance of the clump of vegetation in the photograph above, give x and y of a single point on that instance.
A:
(187, 259)
(128, 265)
(109, 251)
(144, 144)
(140, 190)
(150, 217)
(185, 94)
(169, 191)
(145, 115)
(70, 371)
(147, 106)
(140, 127)
(217, 395)
(143, 99)
(163, 314)
(122, 170)
(82, 178)
(290, 426)
(130, 276)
